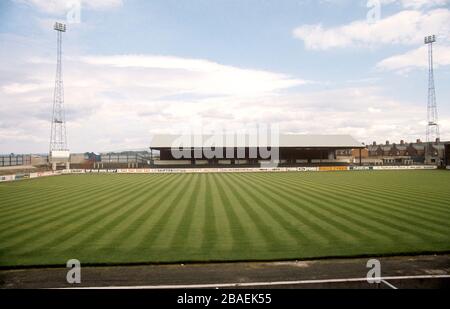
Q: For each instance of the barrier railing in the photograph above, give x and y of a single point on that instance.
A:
(215, 170)
(249, 169)
(20, 176)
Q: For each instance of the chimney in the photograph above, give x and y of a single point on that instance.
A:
(418, 141)
(374, 143)
(387, 142)
(402, 142)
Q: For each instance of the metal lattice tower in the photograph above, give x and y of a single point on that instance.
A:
(432, 114)
(58, 138)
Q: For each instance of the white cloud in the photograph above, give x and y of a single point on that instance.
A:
(374, 110)
(195, 76)
(416, 58)
(62, 6)
(102, 4)
(406, 27)
(17, 88)
(417, 4)
(114, 108)
(118, 102)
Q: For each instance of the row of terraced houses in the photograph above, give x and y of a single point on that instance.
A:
(402, 153)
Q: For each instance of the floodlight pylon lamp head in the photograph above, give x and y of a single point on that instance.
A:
(430, 39)
(60, 27)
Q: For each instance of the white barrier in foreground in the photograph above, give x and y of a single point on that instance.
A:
(216, 170)
(406, 167)
(190, 170)
(22, 176)
(7, 178)
(245, 170)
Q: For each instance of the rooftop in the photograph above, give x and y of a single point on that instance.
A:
(245, 140)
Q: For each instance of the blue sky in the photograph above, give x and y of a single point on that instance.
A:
(135, 68)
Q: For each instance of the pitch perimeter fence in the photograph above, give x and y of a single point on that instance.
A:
(22, 176)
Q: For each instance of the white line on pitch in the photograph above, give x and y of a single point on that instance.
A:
(389, 285)
(250, 284)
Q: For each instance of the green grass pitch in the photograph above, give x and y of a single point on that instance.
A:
(138, 218)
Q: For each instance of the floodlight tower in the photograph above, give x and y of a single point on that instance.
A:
(59, 152)
(432, 115)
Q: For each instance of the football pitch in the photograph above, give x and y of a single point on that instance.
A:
(144, 218)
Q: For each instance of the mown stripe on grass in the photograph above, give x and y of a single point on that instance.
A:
(195, 229)
(243, 237)
(40, 187)
(265, 230)
(416, 185)
(274, 197)
(217, 218)
(299, 208)
(180, 224)
(211, 220)
(162, 212)
(308, 230)
(115, 224)
(52, 184)
(279, 220)
(404, 200)
(11, 198)
(363, 216)
(380, 210)
(74, 221)
(138, 229)
(29, 223)
(37, 206)
(398, 206)
(315, 210)
(48, 211)
(340, 216)
(176, 214)
(20, 200)
(121, 233)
